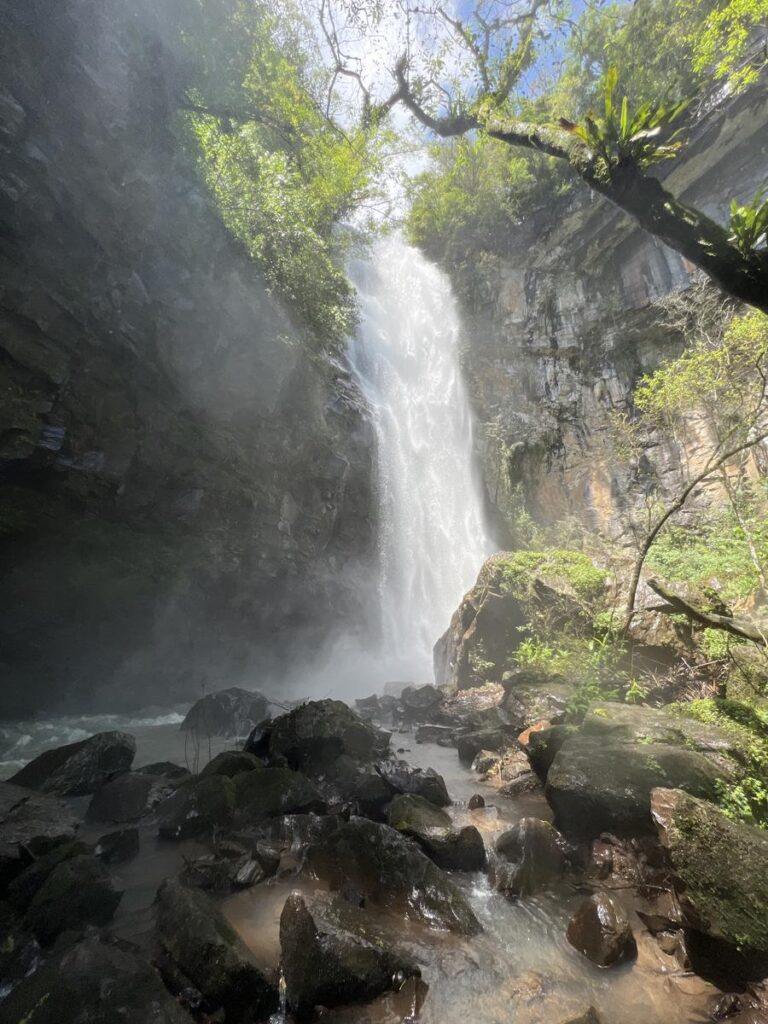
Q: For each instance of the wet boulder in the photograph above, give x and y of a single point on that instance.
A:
(332, 969)
(95, 982)
(312, 736)
(196, 936)
(427, 784)
(600, 929)
(442, 735)
(166, 770)
(415, 815)
(233, 712)
(273, 792)
(542, 745)
(514, 774)
(118, 847)
(124, 798)
(602, 777)
(19, 950)
(79, 768)
(533, 858)
(197, 807)
(78, 892)
(532, 697)
(719, 867)
(454, 849)
(389, 870)
(418, 703)
(470, 744)
(231, 763)
(23, 888)
(30, 826)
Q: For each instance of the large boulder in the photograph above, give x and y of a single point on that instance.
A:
(532, 857)
(272, 792)
(452, 849)
(511, 588)
(196, 936)
(532, 697)
(19, 951)
(390, 871)
(77, 892)
(312, 736)
(79, 768)
(600, 929)
(30, 826)
(23, 888)
(602, 777)
(93, 982)
(124, 798)
(197, 807)
(231, 713)
(424, 783)
(720, 869)
(232, 763)
(332, 969)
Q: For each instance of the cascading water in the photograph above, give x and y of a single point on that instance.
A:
(432, 541)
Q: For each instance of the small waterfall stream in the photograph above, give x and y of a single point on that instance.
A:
(432, 541)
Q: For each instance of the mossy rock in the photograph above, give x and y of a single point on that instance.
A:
(78, 892)
(272, 792)
(414, 815)
(720, 865)
(196, 807)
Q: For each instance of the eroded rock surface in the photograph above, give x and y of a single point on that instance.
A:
(79, 768)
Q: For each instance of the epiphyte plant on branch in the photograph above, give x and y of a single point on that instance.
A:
(467, 74)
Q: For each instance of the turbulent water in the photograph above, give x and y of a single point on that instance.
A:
(432, 538)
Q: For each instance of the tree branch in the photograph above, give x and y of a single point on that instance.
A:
(674, 604)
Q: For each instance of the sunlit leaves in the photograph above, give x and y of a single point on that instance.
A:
(734, 42)
(749, 222)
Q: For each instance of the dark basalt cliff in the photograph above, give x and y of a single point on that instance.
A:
(181, 481)
(561, 326)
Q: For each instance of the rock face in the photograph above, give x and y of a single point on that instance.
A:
(452, 849)
(273, 792)
(600, 929)
(92, 981)
(602, 777)
(560, 329)
(168, 434)
(79, 768)
(196, 807)
(196, 936)
(233, 712)
(122, 799)
(390, 871)
(30, 825)
(486, 627)
(719, 866)
(331, 969)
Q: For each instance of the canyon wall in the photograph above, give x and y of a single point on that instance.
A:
(184, 486)
(561, 327)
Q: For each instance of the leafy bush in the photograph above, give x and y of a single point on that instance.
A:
(520, 569)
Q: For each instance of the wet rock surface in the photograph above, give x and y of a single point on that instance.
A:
(207, 950)
(602, 776)
(390, 871)
(197, 807)
(124, 798)
(533, 858)
(30, 825)
(600, 929)
(332, 969)
(76, 893)
(96, 982)
(272, 792)
(719, 868)
(79, 768)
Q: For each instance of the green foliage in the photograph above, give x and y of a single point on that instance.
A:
(638, 136)
(280, 169)
(520, 569)
(475, 190)
(715, 547)
(749, 223)
(732, 44)
(747, 798)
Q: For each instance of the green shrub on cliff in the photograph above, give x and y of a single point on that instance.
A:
(521, 569)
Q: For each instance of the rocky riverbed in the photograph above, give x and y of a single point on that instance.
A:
(418, 857)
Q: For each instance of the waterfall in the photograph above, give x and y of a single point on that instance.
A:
(432, 538)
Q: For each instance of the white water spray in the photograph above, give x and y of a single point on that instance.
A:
(432, 535)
